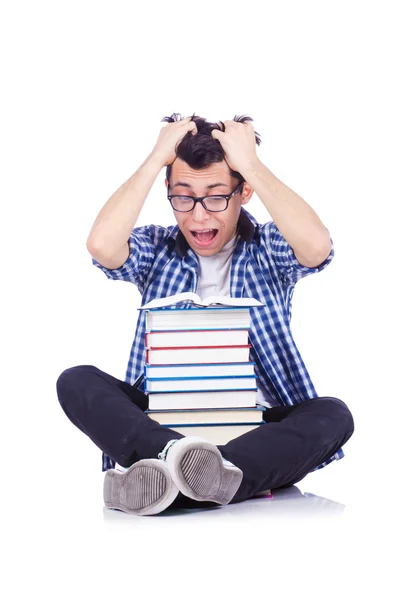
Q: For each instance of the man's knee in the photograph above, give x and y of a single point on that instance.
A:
(68, 382)
(337, 418)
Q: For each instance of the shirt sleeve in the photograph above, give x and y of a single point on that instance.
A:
(143, 242)
(287, 265)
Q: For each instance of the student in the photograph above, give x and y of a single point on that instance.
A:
(217, 247)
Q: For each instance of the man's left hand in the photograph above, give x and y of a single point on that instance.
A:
(238, 142)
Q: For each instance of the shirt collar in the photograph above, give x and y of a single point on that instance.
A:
(247, 228)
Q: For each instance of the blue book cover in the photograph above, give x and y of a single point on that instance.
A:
(201, 377)
(200, 384)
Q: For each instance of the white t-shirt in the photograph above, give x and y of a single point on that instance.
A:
(214, 279)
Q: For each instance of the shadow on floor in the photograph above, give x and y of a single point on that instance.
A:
(286, 503)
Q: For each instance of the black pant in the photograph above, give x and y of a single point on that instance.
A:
(292, 443)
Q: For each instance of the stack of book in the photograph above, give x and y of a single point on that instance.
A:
(198, 375)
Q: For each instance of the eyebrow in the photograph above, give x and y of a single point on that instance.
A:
(209, 187)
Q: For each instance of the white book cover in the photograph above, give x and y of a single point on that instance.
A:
(187, 400)
(163, 319)
(218, 435)
(211, 415)
(193, 338)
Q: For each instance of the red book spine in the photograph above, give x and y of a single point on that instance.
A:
(147, 350)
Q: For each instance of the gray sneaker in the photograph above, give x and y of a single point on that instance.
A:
(146, 488)
(199, 470)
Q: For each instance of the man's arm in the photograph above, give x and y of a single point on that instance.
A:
(108, 239)
(296, 220)
(109, 235)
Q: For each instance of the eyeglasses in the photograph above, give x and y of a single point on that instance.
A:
(211, 203)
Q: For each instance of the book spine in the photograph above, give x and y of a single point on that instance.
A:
(172, 410)
(195, 329)
(151, 339)
(202, 377)
(197, 347)
(202, 391)
(156, 368)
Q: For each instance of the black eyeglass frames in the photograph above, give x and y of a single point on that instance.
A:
(217, 203)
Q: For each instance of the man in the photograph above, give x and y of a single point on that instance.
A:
(216, 247)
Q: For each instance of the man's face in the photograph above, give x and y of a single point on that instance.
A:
(207, 232)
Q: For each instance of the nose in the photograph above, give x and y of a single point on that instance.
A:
(199, 213)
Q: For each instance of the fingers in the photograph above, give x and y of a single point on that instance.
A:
(238, 124)
(193, 127)
(185, 124)
(187, 120)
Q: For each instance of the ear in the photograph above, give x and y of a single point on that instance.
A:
(166, 182)
(246, 194)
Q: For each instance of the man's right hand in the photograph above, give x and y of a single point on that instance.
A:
(108, 239)
(169, 138)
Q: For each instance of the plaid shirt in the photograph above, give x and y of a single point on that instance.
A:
(264, 266)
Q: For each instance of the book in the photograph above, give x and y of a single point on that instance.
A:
(188, 400)
(183, 337)
(221, 354)
(195, 298)
(200, 384)
(198, 370)
(202, 337)
(211, 415)
(160, 319)
(216, 434)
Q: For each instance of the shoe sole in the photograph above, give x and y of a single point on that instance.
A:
(199, 471)
(146, 488)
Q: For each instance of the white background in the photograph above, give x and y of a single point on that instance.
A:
(85, 86)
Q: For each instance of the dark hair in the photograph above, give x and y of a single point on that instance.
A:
(201, 150)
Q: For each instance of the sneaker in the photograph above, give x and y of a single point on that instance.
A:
(146, 488)
(199, 471)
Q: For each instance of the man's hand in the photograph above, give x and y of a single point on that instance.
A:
(238, 142)
(169, 138)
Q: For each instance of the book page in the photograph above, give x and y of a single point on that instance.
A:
(228, 301)
(193, 297)
(169, 300)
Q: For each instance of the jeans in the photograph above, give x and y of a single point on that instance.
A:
(292, 443)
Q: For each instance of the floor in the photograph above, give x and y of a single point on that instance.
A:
(319, 539)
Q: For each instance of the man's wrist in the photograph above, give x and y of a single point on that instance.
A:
(251, 168)
(155, 160)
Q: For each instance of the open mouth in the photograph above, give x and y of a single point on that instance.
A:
(204, 237)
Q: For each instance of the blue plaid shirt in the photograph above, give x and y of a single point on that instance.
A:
(264, 266)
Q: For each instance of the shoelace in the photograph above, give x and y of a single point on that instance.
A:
(163, 454)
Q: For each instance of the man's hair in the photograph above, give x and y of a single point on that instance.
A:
(201, 150)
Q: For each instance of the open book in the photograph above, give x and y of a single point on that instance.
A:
(193, 297)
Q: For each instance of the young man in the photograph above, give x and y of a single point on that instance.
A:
(216, 247)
